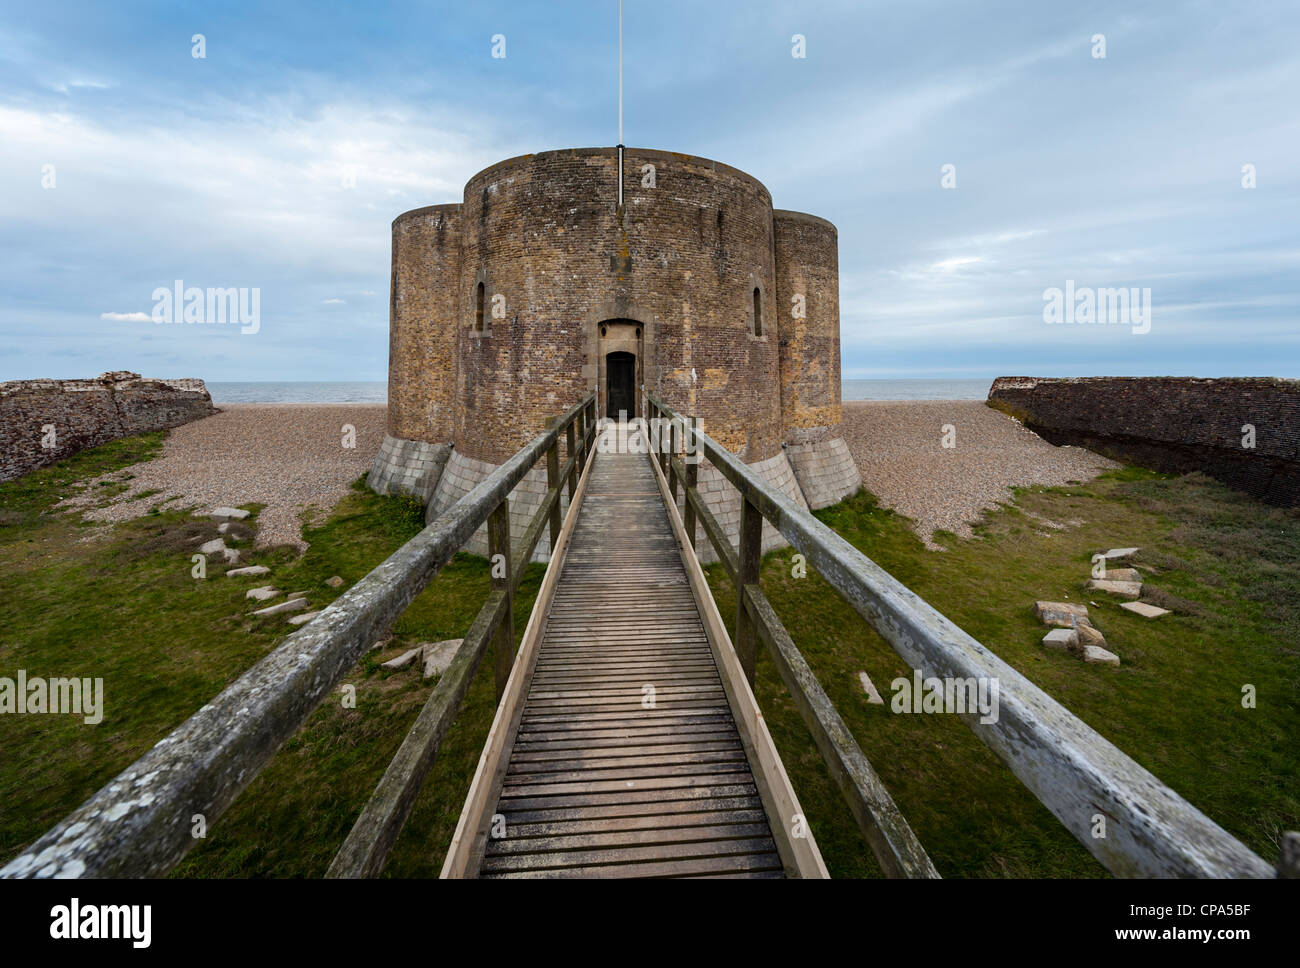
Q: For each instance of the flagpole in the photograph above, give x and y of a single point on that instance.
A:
(620, 105)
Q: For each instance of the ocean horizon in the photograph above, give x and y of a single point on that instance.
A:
(376, 391)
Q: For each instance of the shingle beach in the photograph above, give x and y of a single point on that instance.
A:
(290, 457)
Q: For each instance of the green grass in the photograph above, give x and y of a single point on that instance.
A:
(1228, 567)
(124, 607)
(120, 604)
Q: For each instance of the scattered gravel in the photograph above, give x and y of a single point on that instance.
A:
(898, 447)
(289, 457)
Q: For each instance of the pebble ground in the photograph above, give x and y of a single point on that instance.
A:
(898, 447)
(289, 457)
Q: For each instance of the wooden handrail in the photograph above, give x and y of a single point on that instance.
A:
(371, 840)
(139, 824)
(1151, 831)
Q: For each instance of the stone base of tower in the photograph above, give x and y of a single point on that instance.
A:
(408, 467)
(723, 501)
(825, 469)
(462, 474)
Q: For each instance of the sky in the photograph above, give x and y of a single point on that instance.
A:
(278, 160)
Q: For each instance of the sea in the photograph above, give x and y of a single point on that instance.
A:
(376, 391)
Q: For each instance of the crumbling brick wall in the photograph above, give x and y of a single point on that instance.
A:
(43, 421)
(1172, 424)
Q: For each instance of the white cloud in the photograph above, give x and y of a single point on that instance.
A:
(948, 265)
(333, 302)
(127, 317)
(67, 87)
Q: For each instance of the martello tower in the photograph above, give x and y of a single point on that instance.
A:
(510, 306)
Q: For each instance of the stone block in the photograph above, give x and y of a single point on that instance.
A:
(1145, 610)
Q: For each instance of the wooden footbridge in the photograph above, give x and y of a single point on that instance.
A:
(627, 741)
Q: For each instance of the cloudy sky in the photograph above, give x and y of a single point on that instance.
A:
(279, 160)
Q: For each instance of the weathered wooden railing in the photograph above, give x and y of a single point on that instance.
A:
(140, 824)
(1150, 831)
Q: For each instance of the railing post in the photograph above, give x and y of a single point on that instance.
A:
(690, 455)
(573, 460)
(580, 422)
(751, 553)
(659, 437)
(672, 468)
(553, 484)
(499, 545)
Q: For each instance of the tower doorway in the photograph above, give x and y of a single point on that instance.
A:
(620, 384)
(617, 357)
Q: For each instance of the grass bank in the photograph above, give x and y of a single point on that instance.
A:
(1228, 567)
(119, 603)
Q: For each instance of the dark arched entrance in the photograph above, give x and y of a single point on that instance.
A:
(620, 384)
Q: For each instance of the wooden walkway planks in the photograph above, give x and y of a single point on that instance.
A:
(626, 761)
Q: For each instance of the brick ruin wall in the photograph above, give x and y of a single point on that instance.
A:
(86, 413)
(1172, 424)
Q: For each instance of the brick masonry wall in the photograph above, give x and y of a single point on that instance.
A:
(678, 266)
(86, 413)
(1172, 424)
(682, 259)
(422, 324)
(807, 264)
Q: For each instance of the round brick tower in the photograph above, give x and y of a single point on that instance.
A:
(508, 308)
(808, 286)
(422, 406)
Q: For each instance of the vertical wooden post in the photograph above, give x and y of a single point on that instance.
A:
(690, 455)
(572, 455)
(751, 554)
(663, 445)
(553, 484)
(580, 422)
(672, 452)
(499, 544)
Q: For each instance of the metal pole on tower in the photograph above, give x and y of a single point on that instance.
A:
(620, 104)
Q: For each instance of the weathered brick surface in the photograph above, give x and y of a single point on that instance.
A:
(1172, 424)
(670, 278)
(543, 232)
(86, 413)
(422, 324)
(807, 258)
(807, 271)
